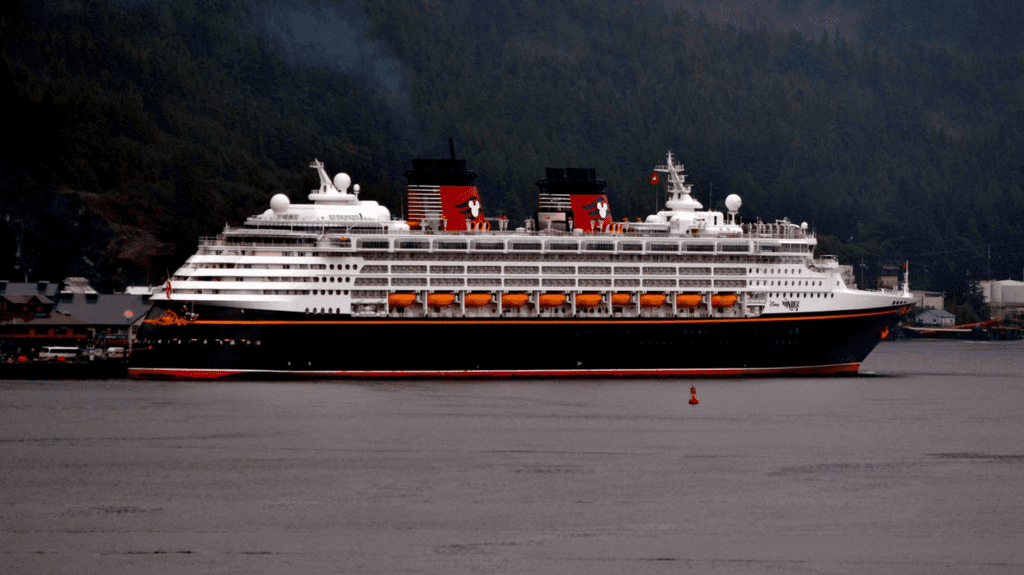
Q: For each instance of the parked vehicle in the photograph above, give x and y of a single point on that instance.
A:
(57, 353)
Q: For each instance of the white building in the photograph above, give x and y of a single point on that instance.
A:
(929, 299)
(939, 317)
(1004, 297)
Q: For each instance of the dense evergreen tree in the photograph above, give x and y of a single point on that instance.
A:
(153, 123)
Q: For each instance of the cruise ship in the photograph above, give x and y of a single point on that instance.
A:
(339, 288)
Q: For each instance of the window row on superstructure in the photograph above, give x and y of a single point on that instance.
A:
(576, 258)
(314, 259)
(381, 294)
(507, 244)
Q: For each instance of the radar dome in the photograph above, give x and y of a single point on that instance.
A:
(279, 203)
(733, 202)
(342, 181)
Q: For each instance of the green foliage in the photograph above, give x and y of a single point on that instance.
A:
(195, 115)
(902, 152)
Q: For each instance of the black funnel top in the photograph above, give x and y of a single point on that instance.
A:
(571, 181)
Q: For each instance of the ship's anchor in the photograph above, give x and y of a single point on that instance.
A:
(693, 396)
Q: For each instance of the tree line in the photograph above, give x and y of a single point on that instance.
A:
(170, 119)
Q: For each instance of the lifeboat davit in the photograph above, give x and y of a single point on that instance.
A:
(440, 299)
(552, 299)
(401, 299)
(688, 300)
(621, 298)
(721, 301)
(477, 299)
(652, 300)
(588, 300)
(514, 299)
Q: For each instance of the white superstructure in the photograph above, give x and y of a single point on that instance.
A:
(341, 256)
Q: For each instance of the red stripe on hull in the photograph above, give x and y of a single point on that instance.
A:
(178, 373)
(182, 374)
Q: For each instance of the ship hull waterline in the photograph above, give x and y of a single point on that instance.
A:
(232, 344)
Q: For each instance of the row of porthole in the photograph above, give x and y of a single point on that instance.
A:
(347, 266)
(786, 283)
(331, 292)
(325, 280)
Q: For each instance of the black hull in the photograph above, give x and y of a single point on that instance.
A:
(254, 345)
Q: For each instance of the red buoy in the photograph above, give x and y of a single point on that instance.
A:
(693, 396)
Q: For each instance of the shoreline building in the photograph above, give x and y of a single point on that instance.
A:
(1005, 298)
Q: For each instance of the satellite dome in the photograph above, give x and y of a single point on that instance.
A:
(733, 202)
(279, 203)
(342, 181)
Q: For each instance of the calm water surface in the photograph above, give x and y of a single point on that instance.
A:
(916, 466)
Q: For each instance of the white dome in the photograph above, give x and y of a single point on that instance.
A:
(733, 202)
(342, 181)
(279, 203)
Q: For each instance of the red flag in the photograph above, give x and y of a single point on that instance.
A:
(654, 178)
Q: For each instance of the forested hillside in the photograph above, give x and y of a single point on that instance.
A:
(149, 124)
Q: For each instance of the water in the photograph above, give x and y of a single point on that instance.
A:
(914, 467)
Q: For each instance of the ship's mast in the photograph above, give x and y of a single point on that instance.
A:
(679, 191)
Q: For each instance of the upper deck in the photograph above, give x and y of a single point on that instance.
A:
(752, 238)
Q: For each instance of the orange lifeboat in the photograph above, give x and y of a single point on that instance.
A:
(552, 299)
(401, 299)
(723, 300)
(440, 299)
(514, 299)
(688, 300)
(652, 300)
(621, 298)
(588, 300)
(477, 299)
